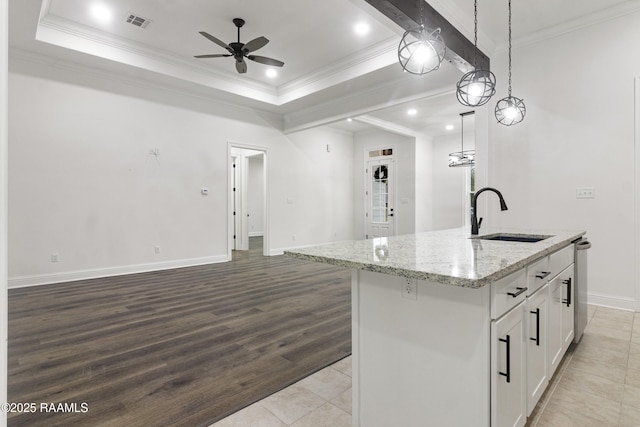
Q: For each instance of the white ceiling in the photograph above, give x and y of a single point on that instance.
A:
(330, 73)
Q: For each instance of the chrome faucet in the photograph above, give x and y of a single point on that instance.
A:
(475, 224)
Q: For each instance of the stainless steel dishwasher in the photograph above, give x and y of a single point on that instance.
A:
(580, 314)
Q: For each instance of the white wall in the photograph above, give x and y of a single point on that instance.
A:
(578, 132)
(425, 203)
(405, 172)
(312, 188)
(255, 197)
(449, 183)
(83, 183)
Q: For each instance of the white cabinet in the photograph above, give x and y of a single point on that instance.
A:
(536, 315)
(508, 407)
(568, 295)
(555, 325)
(560, 317)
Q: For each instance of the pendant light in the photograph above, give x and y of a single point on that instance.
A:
(476, 87)
(510, 110)
(462, 157)
(421, 50)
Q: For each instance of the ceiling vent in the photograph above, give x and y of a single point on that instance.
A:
(138, 21)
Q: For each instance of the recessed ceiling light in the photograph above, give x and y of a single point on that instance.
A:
(271, 73)
(101, 12)
(412, 112)
(349, 119)
(449, 127)
(361, 28)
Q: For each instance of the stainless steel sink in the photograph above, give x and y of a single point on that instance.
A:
(507, 237)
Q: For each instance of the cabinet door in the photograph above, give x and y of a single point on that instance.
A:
(568, 297)
(508, 407)
(555, 325)
(536, 314)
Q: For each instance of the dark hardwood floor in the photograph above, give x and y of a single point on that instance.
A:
(182, 347)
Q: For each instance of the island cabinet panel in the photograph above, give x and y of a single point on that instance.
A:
(536, 315)
(568, 295)
(422, 362)
(508, 406)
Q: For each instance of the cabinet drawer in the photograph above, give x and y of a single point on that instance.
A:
(507, 292)
(561, 259)
(538, 274)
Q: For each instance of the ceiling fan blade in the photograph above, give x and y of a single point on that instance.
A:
(241, 66)
(255, 44)
(215, 40)
(265, 60)
(214, 55)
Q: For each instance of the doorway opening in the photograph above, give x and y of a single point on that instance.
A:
(247, 199)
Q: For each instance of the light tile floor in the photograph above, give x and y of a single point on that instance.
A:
(597, 384)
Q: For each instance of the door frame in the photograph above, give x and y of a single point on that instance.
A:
(266, 244)
(394, 186)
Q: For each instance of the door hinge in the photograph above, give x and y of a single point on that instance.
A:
(234, 213)
(366, 214)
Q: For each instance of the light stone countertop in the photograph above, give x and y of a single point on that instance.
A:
(445, 256)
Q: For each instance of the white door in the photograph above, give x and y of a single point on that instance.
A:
(537, 312)
(379, 209)
(507, 376)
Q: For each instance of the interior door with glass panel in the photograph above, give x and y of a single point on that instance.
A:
(379, 212)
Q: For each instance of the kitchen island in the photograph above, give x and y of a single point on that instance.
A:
(451, 329)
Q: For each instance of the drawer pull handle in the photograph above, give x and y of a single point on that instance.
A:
(515, 294)
(568, 300)
(537, 338)
(543, 274)
(507, 374)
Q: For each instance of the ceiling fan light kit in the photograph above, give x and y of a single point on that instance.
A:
(476, 87)
(421, 50)
(510, 110)
(239, 51)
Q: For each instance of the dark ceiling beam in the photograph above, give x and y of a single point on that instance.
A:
(406, 13)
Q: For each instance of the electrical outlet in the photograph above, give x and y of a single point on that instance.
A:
(156, 249)
(55, 257)
(409, 288)
(585, 193)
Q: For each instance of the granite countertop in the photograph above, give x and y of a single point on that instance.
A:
(445, 256)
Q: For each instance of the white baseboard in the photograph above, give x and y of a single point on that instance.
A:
(627, 304)
(47, 279)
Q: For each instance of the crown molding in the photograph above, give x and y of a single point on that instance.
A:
(17, 55)
(64, 33)
(595, 18)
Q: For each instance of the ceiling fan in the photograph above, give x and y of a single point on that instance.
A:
(241, 50)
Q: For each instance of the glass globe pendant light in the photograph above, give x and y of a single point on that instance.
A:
(476, 87)
(421, 50)
(510, 110)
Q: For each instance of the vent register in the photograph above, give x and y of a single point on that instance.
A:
(138, 21)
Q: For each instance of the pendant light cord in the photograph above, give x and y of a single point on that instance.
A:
(475, 33)
(509, 48)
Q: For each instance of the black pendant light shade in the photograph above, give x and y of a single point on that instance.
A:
(462, 157)
(476, 88)
(510, 110)
(421, 51)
